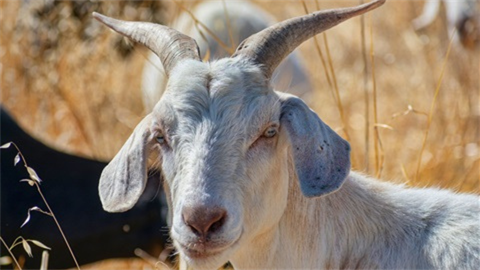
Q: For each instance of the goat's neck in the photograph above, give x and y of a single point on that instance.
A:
(334, 231)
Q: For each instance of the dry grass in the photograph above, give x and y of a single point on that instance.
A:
(82, 94)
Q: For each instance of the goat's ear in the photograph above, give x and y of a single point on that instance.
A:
(322, 157)
(124, 178)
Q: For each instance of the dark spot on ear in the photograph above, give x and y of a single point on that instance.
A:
(298, 148)
(325, 186)
(339, 169)
(313, 186)
(317, 178)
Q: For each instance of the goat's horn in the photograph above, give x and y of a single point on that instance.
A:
(168, 44)
(270, 46)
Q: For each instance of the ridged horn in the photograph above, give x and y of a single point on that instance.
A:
(270, 46)
(168, 44)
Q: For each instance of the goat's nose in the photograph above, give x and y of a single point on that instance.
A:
(204, 220)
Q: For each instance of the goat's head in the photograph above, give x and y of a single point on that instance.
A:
(223, 138)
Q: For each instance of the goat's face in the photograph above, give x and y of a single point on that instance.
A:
(223, 155)
(223, 140)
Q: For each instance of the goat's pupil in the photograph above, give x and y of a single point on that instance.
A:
(270, 132)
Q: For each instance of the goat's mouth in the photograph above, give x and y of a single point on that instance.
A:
(202, 251)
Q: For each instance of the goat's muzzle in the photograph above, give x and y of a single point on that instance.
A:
(204, 221)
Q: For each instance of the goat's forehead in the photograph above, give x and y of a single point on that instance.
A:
(225, 77)
(219, 90)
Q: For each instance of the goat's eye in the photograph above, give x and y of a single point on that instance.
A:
(160, 139)
(270, 132)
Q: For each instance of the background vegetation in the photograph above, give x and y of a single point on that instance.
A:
(411, 115)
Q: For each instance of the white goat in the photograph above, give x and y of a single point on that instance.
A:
(244, 20)
(463, 19)
(241, 163)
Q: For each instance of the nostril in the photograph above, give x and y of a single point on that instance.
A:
(216, 225)
(204, 220)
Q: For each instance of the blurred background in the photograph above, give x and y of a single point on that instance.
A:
(407, 99)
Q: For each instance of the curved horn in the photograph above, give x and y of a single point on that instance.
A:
(270, 46)
(168, 44)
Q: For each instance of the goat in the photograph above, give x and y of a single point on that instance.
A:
(70, 187)
(463, 20)
(244, 20)
(242, 163)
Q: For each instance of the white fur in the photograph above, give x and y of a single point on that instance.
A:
(365, 224)
(216, 157)
(369, 224)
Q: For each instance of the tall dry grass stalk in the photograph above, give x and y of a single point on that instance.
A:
(365, 89)
(379, 155)
(432, 107)
(15, 262)
(76, 86)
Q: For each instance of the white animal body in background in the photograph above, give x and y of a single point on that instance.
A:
(244, 20)
(463, 19)
(242, 164)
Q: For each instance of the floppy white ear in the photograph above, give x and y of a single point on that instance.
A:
(322, 157)
(124, 178)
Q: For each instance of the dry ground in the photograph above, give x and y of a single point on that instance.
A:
(79, 90)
